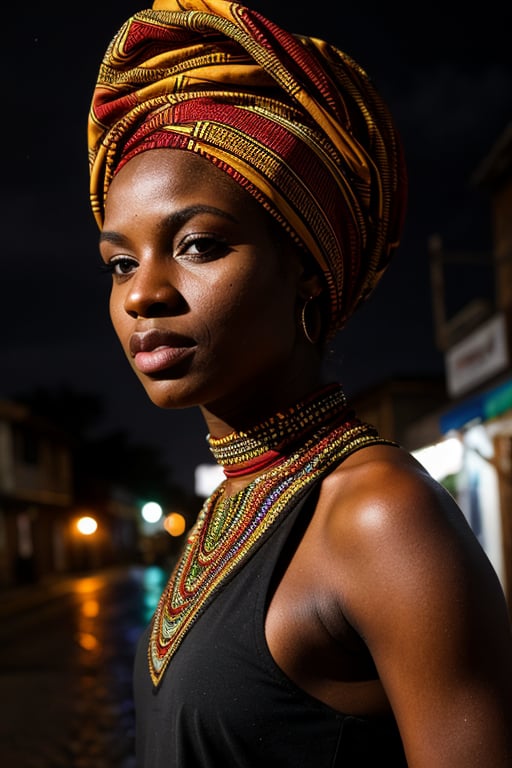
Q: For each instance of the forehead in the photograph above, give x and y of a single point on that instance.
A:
(167, 173)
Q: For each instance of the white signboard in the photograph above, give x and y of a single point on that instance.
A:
(478, 357)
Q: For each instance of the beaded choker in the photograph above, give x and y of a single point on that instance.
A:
(322, 432)
(267, 444)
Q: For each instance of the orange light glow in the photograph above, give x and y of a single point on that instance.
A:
(91, 608)
(87, 641)
(87, 525)
(175, 524)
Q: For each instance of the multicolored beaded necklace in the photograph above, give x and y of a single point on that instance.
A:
(293, 449)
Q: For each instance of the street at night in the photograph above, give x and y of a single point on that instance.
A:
(66, 668)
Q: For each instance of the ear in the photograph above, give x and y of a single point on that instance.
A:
(312, 293)
(311, 287)
(311, 281)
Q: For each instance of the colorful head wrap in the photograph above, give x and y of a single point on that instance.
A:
(292, 119)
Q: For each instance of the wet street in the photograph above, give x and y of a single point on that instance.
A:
(66, 655)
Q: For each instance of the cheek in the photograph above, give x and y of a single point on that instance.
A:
(252, 311)
(231, 305)
(118, 316)
(221, 299)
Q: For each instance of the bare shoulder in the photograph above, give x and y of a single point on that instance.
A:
(383, 491)
(395, 536)
(412, 579)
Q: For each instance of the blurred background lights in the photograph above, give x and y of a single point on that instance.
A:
(206, 478)
(151, 512)
(87, 525)
(175, 524)
(442, 459)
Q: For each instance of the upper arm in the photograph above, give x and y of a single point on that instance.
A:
(420, 591)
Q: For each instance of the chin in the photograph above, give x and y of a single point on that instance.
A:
(168, 394)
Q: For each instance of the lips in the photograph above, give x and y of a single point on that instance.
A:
(155, 350)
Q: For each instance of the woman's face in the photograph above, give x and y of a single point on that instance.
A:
(205, 298)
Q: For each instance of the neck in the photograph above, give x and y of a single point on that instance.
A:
(267, 443)
(237, 414)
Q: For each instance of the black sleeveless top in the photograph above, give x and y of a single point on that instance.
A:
(224, 703)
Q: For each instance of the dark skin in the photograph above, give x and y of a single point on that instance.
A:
(388, 602)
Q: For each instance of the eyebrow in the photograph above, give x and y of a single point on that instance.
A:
(106, 236)
(175, 219)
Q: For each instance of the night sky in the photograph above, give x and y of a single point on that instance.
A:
(447, 76)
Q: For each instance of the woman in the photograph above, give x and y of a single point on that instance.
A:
(331, 606)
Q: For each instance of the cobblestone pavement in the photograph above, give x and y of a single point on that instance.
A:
(66, 670)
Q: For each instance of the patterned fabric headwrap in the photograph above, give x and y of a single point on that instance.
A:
(292, 119)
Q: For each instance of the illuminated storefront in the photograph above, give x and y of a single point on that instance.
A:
(473, 460)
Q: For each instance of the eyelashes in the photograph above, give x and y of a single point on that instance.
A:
(121, 266)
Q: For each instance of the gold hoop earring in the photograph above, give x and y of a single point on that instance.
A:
(311, 330)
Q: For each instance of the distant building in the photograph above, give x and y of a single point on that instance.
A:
(47, 527)
(477, 345)
(36, 494)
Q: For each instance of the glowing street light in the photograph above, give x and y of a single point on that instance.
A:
(175, 524)
(86, 525)
(151, 512)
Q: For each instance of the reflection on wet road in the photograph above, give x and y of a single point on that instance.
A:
(66, 656)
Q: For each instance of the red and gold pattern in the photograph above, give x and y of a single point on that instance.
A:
(229, 528)
(294, 120)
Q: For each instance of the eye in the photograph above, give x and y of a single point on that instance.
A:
(201, 247)
(120, 266)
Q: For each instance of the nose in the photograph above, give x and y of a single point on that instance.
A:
(152, 293)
